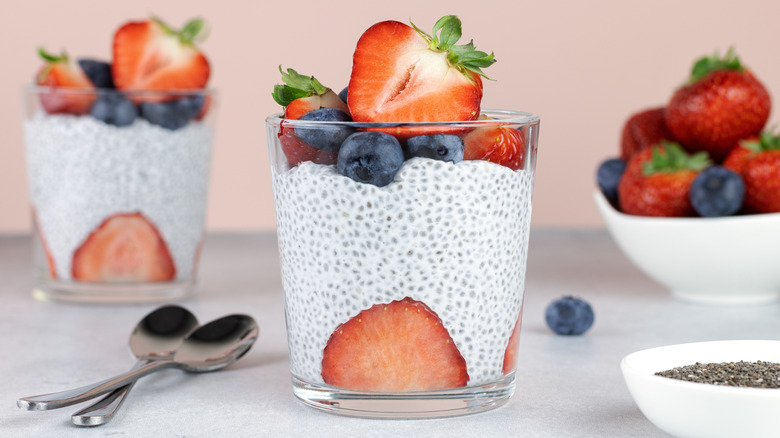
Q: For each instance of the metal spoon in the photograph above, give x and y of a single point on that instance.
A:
(157, 336)
(209, 348)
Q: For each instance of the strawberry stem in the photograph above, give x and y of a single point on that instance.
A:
(708, 64)
(52, 58)
(670, 157)
(191, 32)
(465, 57)
(296, 86)
(769, 141)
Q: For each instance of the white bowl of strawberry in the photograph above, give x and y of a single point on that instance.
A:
(118, 157)
(694, 197)
(403, 211)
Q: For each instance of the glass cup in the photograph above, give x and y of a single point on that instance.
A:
(118, 186)
(402, 300)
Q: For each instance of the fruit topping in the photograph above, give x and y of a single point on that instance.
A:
(114, 109)
(327, 137)
(717, 191)
(98, 72)
(758, 162)
(512, 348)
(344, 94)
(296, 151)
(402, 74)
(301, 94)
(569, 316)
(173, 114)
(63, 72)
(498, 144)
(149, 55)
(443, 147)
(370, 157)
(721, 104)
(643, 130)
(657, 181)
(398, 346)
(125, 247)
(608, 177)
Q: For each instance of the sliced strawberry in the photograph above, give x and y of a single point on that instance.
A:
(63, 72)
(398, 346)
(512, 347)
(297, 151)
(149, 55)
(125, 248)
(498, 144)
(44, 245)
(402, 74)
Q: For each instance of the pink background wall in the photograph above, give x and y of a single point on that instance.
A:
(583, 66)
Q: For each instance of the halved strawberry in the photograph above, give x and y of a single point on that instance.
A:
(297, 151)
(402, 74)
(63, 72)
(149, 55)
(299, 95)
(398, 346)
(126, 247)
(510, 355)
(498, 144)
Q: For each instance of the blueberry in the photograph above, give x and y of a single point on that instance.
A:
(327, 137)
(343, 94)
(608, 177)
(569, 316)
(444, 147)
(98, 72)
(717, 191)
(370, 157)
(172, 114)
(114, 109)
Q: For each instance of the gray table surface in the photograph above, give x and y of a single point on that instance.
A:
(567, 386)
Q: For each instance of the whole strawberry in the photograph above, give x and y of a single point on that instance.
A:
(721, 103)
(657, 181)
(643, 130)
(758, 162)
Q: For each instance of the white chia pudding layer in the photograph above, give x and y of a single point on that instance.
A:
(82, 171)
(453, 236)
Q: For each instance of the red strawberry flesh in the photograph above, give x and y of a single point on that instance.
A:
(124, 248)
(398, 346)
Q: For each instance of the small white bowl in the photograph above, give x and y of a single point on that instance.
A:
(688, 409)
(728, 260)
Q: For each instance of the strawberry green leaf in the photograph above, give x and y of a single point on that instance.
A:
(191, 32)
(670, 157)
(296, 86)
(708, 64)
(446, 32)
(769, 141)
(52, 58)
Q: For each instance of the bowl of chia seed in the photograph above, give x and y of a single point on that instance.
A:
(708, 389)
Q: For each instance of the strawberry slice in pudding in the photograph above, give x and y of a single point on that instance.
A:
(124, 248)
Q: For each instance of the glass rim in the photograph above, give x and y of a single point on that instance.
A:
(501, 117)
(42, 89)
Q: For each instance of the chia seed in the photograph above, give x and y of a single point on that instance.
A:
(757, 374)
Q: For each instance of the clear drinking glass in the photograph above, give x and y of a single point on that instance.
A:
(117, 192)
(403, 300)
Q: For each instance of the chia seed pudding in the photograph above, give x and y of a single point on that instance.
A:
(453, 236)
(83, 171)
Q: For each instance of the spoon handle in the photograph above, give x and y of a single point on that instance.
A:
(102, 411)
(57, 400)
